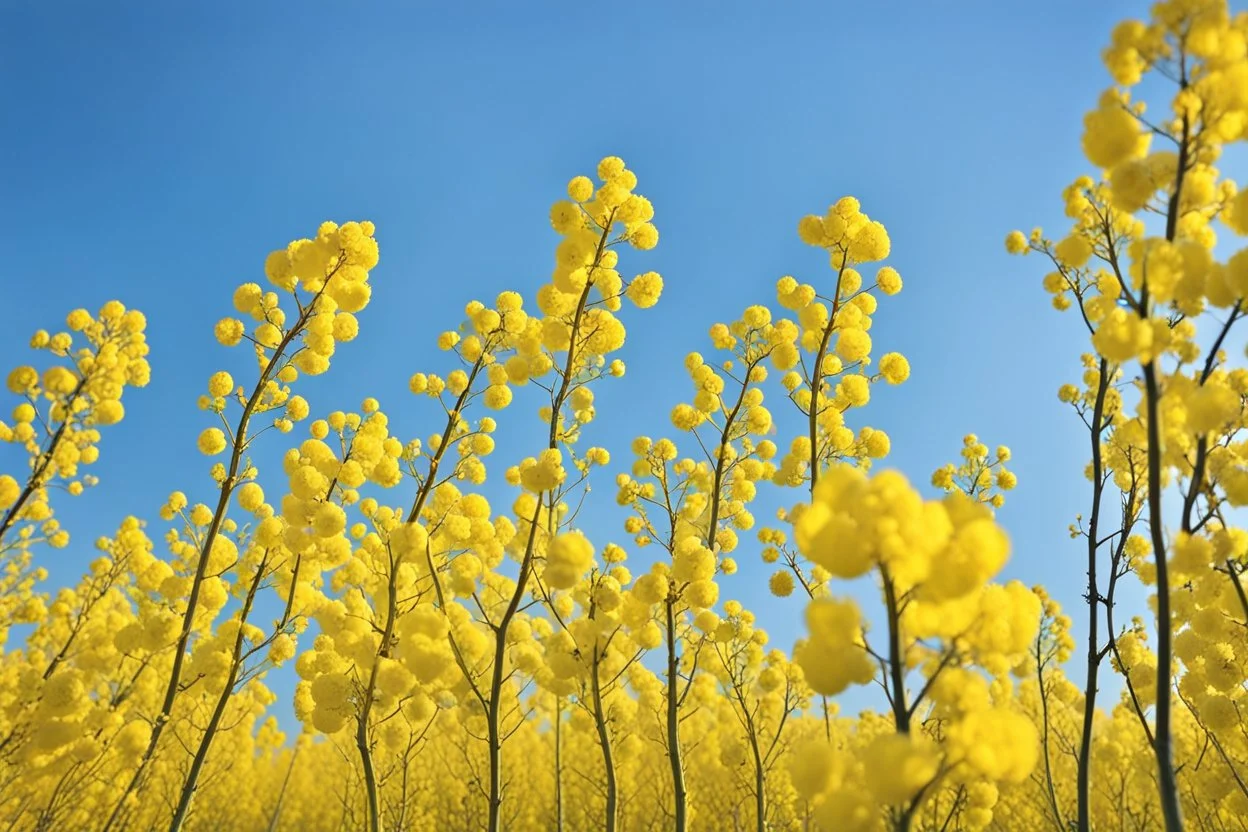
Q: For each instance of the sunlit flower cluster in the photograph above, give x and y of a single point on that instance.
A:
(470, 650)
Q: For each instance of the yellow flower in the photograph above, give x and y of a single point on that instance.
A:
(898, 766)
(1016, 243)
(895, 368)
(220, 384)
(853, 345)
(569, 557)
(211, 441)
(1111, 134)
(781, 583)
(580, 188)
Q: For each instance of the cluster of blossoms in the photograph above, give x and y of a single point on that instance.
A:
(56, 423)
(61, 410)
(981, 474)
(1162, 406)
(826, 355)
(933, 560)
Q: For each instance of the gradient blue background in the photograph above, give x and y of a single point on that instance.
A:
(156, 152)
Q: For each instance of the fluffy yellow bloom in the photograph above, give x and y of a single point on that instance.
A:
(894, 367)
(544, 473)
(229, 331)
(220, 384)
(569, 557)
(855, 389)
(853, 345)
(10, 490)
(781, 583)
(888, 280)
(644, 290)
(1073, 251)
(1112, 134)
(833, 657)
(898, 766)
(1123, 336)
(580, 188)
(1016, 242)
(211, 441)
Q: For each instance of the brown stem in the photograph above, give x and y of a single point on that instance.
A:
(1094, 654)
(816, 380)
(35, 481)
(604, 743)
(277, 807)
(896, 669)
(1048, 759)
(760, 776)
(493, 727)
(205, 742)
(558, 764)
(679, 793)
(201, 568)
(1171, 808)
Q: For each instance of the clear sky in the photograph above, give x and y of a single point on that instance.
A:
(156, 152)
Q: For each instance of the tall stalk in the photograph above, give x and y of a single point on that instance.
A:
(675, 754)
(40, 472)
(201, 752)
(816, 459)
(611, 815)
(277, 807)
(497, 678)
(1094, 651)
(228, 484)
(1163, 741)
(680, 795)
(363, 734)
(559, 763)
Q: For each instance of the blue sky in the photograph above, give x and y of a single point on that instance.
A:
(156, 152)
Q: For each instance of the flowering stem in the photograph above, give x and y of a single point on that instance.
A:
(35, 481)
(1171, 809)
(493, 712)
(201, 567)
(679, 794)
(604, 742)
(1162, 740)
(205, 742)
(1046, 723)
(363, 739)
(896, 669)
(558, 764)
(674, 752)
(816, 381)
(277, 808)
(1083, 777)
(760, 774)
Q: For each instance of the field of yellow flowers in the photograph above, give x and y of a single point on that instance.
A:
(470, 665)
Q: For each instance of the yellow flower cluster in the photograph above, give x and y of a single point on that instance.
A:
(933, 559)
(474, 662)
(856, 524)
(981, 475)
(1142, 265)
(60, 412)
